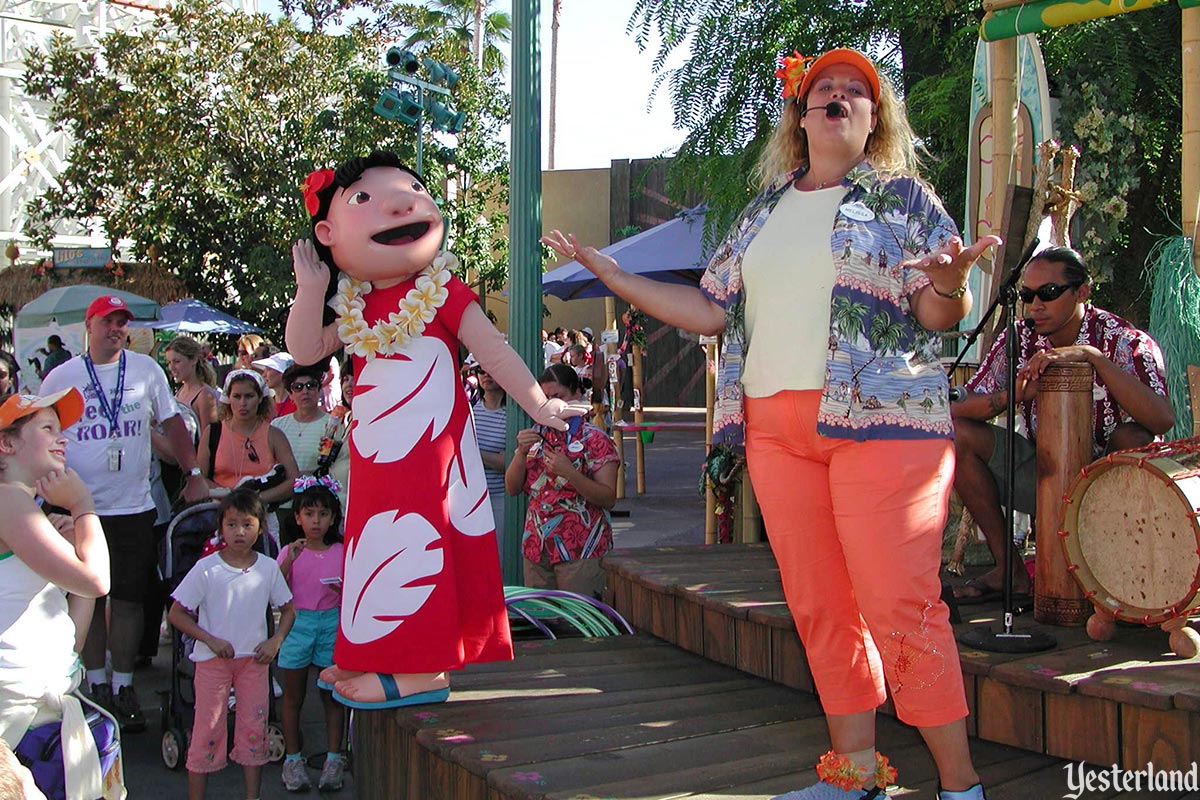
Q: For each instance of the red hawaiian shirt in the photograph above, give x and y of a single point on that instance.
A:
(1129, 348)
(559, 521)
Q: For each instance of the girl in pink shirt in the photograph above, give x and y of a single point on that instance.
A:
(312, 566)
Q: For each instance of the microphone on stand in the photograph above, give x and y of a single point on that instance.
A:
(1028, 323)
(833, 110)
(957, 394)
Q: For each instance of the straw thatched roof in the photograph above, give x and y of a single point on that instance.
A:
(21, 283)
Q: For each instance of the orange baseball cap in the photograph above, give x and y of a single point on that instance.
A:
(68, 404)
(841, 55)
(106, 304)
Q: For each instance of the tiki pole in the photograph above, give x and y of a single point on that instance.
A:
(1064, 446)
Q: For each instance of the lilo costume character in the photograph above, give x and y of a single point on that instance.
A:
(422, 592)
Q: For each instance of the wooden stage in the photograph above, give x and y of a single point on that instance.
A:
(713, 700)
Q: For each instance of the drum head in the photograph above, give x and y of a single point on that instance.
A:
(1138, 538)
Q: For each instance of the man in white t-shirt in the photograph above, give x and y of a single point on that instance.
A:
(124, 394)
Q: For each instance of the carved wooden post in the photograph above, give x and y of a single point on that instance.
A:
(1064, 446)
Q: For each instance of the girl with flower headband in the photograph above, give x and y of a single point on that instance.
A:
(844, 245)
(422, 590)
(312, 566)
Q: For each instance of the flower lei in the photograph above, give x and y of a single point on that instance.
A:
(792, 71)
(389, 336)
(839, 771)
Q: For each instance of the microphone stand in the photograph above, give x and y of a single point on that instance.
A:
(1008, 640)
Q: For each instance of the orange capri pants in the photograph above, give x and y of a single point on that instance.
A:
(856, 528)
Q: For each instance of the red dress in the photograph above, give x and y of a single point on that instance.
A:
(422, 589)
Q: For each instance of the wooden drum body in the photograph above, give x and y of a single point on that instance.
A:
(1132, 541)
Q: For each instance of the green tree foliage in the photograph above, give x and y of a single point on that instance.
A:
(726, 94)
(196, 134)
(1121, 107)
(1118, 81)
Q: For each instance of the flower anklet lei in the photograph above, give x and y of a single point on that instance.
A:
(839, 771)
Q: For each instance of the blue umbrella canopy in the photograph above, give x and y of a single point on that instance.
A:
(190, 315)
(672, 252)
(68, 304)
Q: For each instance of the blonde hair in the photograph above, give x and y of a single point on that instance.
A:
(189, 348)
(890, 148)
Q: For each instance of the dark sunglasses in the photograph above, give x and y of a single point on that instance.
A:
(1046, 292)
(251, 453)
(303, 386)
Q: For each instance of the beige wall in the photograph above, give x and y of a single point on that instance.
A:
(576, 201)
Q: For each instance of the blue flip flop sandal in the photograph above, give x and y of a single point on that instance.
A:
(393, 697)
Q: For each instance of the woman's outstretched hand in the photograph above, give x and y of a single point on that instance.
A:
(311, 271)
(948, 268)
(567, 246)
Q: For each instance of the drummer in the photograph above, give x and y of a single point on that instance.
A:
(1131, 406)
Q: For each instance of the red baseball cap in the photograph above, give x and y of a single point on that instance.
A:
(68, 404)
(106, 304)
(841, 55)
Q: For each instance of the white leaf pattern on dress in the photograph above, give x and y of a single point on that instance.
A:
(399, 399)
(470, 511)
(381, 566)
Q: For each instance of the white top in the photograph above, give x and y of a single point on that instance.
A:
(147, 398)
(788, 274)
(305, 439)
(232, 603)
(551, 348)
(37, 636)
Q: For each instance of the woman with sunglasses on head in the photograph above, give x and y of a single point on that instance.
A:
(246, 446)
(845, 244)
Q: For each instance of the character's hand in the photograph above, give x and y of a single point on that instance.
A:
(264, 652)
(64, 488)
(220, 647)
(554, 413)
(567, 246)
(526, 439)
(948, 268)
(311, 271)
(558, 464)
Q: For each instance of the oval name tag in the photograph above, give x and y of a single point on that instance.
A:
(857, 211)
(575, 447)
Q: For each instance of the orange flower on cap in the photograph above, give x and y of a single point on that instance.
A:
(312, 186)
(792, 72)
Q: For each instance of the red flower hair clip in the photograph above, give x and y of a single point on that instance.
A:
(792, 72)
(313, 184)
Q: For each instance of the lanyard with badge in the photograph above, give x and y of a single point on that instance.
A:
(111, 411)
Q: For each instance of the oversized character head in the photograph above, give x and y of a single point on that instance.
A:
(373, 219)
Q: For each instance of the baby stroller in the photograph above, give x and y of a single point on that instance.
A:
(182, 547)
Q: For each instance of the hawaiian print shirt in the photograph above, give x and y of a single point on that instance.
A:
(883, 378)
(559, 521)
(1129, 348)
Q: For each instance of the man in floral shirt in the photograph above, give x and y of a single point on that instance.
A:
(1131, 406)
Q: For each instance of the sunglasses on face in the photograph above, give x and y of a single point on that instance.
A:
(304, 386)
(1046, 292)
(251, 453)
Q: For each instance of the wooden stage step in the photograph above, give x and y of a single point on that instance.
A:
(635, 717)
(1129, 701)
